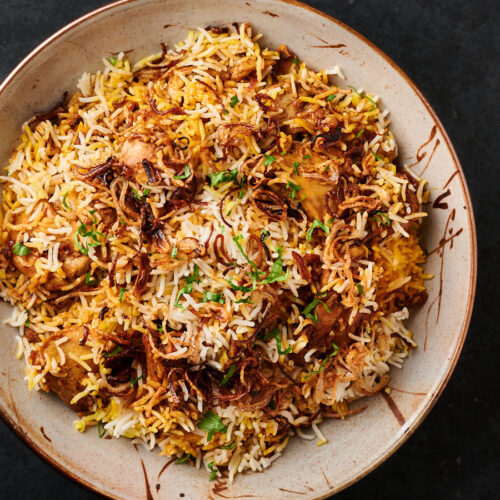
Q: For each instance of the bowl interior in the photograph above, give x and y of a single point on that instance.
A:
(360, 442)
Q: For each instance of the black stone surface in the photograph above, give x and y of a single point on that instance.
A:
(450, 48)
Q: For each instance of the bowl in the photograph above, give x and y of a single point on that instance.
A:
(359, 443)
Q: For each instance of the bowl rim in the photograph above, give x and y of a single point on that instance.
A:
(49, 459)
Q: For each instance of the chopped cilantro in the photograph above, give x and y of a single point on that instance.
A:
(234, 101)
(134, 380)
(323, 364)
(136, 194)
(228, 375)
(276, 335)
(296, 167)
(20, 249)
(89, 280)
(100, 432)
(120, 295)
(185, 175)
(183, 459)
(246, 300)
(113, 60)
(174, 251)
(331, 97)
(295, 61)
(213, 474)
(316, 223)
(377, 157)
(27, 322)
(242, 288)
(237, 239)
(382, 218)
(359, 133)
(188, 288)
(227, 446)
(312, 306)
(211, 423)
(359, 286)
(269, 160)
(264, 234)
(294, 188)
(213, 297)
(307, 156)
(276, 273)
(114, 352)
(65, 204)
(225, 176)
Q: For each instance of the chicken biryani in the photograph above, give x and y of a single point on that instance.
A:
(211, 250)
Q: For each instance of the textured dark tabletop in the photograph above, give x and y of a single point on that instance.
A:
(451, 49)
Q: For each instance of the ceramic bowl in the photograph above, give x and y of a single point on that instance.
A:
(359, 443)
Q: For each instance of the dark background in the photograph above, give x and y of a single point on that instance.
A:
(450, 48)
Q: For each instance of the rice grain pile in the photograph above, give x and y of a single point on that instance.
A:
(211, 250)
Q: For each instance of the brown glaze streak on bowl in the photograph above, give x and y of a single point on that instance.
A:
(28, 433)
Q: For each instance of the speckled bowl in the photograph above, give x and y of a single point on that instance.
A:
(358, 444)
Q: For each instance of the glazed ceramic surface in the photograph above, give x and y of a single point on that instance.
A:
(356, 445)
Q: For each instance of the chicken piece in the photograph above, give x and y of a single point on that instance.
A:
(286, 62)
(74, 263)
(243, 68)
(318, 174)
(233, 134)
(68, 382)
(133, 152)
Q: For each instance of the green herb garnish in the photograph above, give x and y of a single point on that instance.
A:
(377, 157)
(276, 273)
(100, 432)
(185, 175)
(276, 335)
(114, 352)
(174, 251)
(359, 286)
(316, 223)
(89, 281)
(183, 459)
(269, 160)
(307, 156)
(214, 471)
(213, 297)
(228, 375)
(323, 364)
(225, 176)
(331, 97)
(211, 423)
(242, 288)
(20, 249)
(27, 322)
(313, 306)
(264, 234)
(237, 239)
(188, 288)
(295, 61)
(294, 188)
(234, 101)
(113, 60)
(246, 300)
(134, 380)
(359, 133)
(120, 295)
(227, 446)
(135, 194)
(296, 167)
(382, 218)
(65, 204)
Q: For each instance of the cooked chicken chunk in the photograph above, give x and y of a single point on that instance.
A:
(73, 263)
(68, 382)
(133, 152)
